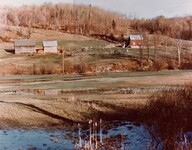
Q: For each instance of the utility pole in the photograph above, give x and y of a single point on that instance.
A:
(63, 63)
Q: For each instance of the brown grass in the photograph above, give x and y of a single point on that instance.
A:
(169, 111)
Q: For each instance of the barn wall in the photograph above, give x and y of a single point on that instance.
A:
(50, 49)
(135, 43)
(19, 50)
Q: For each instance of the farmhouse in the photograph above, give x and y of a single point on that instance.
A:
(135, 41)
(50, 46)
(25, 46)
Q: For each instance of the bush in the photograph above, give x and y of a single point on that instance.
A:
(186, 65)
(159, 65)
(81, 68)
(68, 66)
(171, 65)
(42, 69)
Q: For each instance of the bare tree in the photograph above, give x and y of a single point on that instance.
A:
(146, 43)
(156, 42)
(178, 45)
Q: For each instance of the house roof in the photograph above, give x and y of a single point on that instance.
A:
(136, 37)
(25, 42)
(49, 43)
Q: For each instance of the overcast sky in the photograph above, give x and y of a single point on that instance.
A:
(131, 8)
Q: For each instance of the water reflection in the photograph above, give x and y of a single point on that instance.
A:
(113, 135)
(34, 139)
(119, 134)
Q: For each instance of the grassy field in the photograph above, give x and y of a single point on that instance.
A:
(77, 97)
(114, 82)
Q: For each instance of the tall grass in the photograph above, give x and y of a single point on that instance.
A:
(170, 112)
(97, 138)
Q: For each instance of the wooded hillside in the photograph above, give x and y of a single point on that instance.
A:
(91, 20)
(79, 19)
(178, 27)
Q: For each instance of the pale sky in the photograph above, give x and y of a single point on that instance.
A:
(131, 8)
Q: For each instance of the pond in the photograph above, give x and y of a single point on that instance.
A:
(116, 134)
(123, 134)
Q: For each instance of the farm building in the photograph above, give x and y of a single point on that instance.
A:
(50, 46)
(135, 41)
(25, 46)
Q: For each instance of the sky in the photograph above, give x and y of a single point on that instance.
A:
(131, 8)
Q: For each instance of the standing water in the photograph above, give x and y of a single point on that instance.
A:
(115, 135)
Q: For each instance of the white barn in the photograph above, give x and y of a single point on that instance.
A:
(50, 46)
(25, 46)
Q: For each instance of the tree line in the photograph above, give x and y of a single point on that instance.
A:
(178, 27)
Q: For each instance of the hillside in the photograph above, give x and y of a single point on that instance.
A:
(86, 55)
(44, 63)
(86, 33)
(177, 27)
(79, 19)
(91, 21)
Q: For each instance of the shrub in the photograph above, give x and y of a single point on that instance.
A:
(80, 68)
(159, 65)
(171, 65)
(68, 66)
(42, 69)
(186, 65)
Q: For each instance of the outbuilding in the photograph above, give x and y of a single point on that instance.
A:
(50, 46)
(25, 46)
(135, 41)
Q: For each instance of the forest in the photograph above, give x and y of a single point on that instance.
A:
(90, 20)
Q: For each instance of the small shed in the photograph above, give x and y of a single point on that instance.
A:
(135, 41)
(25, 46)
(50, 46)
